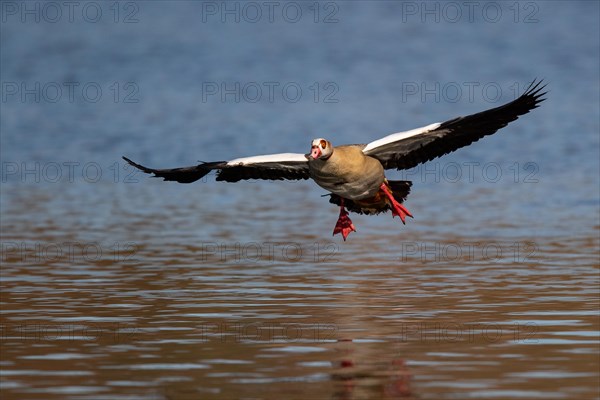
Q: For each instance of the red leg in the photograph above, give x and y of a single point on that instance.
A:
(344, 225)
(397, 208)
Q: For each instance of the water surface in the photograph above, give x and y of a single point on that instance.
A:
(117, 286)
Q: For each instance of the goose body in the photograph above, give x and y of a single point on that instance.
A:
(355, 174)
(348, 172)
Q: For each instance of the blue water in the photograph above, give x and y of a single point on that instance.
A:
(184, 81)
(389, 67)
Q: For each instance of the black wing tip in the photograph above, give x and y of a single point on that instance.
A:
(181, 175)
(128, 160)
(534, 90)
(138, 166)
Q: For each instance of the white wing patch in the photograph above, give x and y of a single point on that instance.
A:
(395, 137)
(269, 158)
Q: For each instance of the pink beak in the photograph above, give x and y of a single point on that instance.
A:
(315, 152)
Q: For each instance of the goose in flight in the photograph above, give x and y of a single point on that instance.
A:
(354, 174)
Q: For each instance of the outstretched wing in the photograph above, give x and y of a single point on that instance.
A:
(405, 150)
(290, 166)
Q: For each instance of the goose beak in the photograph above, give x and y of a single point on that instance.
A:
(314, 153)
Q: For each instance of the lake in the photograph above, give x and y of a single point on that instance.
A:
(118, 286)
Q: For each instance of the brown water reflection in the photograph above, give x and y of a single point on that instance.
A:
(172, 314)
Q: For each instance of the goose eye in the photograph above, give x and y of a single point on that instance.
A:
(323, 144)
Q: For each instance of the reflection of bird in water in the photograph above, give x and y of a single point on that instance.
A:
(381, 380)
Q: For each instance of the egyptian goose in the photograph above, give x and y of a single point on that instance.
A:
(354, 174)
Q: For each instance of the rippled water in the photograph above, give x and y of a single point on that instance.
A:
(116, 286)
